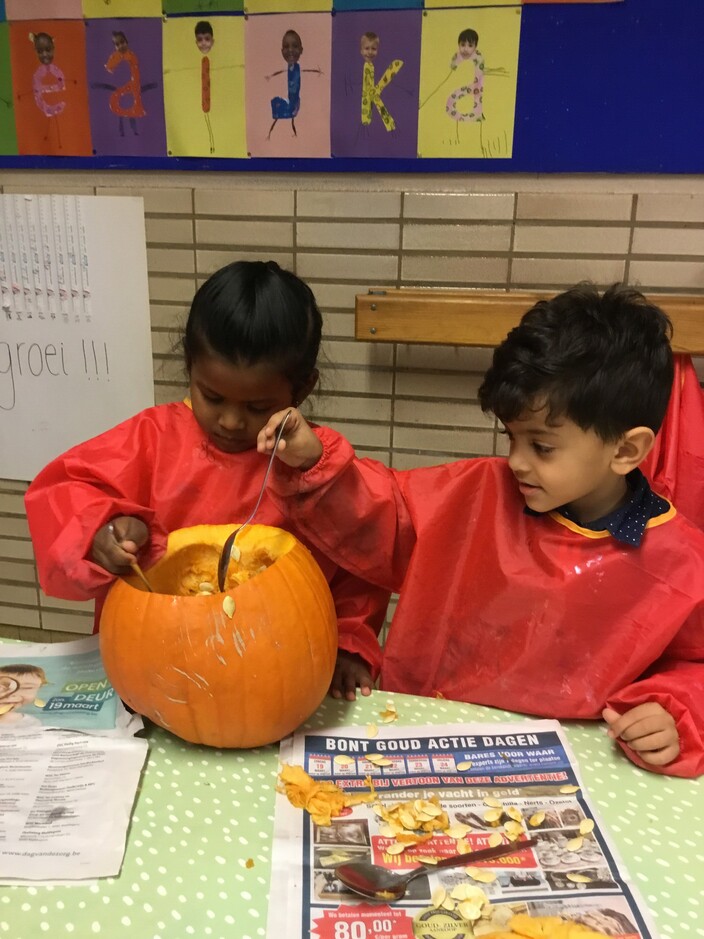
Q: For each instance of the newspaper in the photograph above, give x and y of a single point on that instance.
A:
(69, 764)
(60, 685)
(573, 872)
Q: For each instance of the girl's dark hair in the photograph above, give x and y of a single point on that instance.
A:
(254, 311)
(602, 361)
(203, 28)
(468, 35)
(37, 36)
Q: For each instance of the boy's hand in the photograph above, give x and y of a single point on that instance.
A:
(351, 672)
(648, 729)
(116, 544)
(299, 447)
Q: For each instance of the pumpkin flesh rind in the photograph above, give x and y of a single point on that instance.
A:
(227, 681)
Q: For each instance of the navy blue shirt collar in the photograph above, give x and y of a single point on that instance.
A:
(626, 524)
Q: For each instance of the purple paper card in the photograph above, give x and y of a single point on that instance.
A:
(125, 85)
(375, 76)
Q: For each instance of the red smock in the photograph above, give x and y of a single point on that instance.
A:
(529, 613)
(675, 465)
(159, 467)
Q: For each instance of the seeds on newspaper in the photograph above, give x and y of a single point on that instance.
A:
(586, 825)
(536, 819)
(491, 801)
(493, 816)
(578, 878)
(569, 789)
(457, 831)
(574, 844)
(514, 813)
(396, 848)
(438, 897)
(495, 839)
(513, 830)
(342, 760)
(465, 764)
(480, 875)
(378, 759)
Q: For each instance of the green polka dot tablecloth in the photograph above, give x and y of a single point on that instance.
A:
(199, 847)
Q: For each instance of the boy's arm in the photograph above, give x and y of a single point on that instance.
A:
(77, 494)
(676, 684)
(361, 609)
(352, 510)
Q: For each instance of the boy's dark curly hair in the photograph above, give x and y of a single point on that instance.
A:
(603, 361)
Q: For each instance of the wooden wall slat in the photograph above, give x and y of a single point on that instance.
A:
(484, 317)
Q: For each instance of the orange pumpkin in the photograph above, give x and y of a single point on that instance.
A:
(241, 668)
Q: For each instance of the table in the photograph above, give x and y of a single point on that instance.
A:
(203, 815)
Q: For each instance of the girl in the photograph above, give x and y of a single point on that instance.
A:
(250, 345)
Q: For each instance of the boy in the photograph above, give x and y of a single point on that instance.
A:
(555, 582)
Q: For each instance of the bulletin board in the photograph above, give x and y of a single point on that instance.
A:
(612, 86)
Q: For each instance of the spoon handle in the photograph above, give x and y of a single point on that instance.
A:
(485, 854)
(225, 554)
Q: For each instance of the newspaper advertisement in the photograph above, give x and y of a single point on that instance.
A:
(69, 764)
(508, 782)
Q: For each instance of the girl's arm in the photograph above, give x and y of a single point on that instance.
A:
(79, 493)
(353, 510)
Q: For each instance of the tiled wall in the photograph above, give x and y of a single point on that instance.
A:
(405, 405)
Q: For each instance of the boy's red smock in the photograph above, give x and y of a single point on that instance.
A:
(159, 467)
(675, 465)
(498, 607)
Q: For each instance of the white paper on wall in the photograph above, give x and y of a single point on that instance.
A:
(75, 340)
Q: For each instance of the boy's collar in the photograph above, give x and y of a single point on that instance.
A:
(626, 524)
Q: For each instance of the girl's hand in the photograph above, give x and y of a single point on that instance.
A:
(351, 672)
(648, 729)
(116, 544)
(299, 447)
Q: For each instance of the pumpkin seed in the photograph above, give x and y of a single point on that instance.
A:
(396, 848)
(438, 897)
(457, 831)
(574, 844)
(228, 606)
(586, 825)
(372, 730)
(494, 803)
(480, 875)
(578, 878)
(235, 553)
(465, 764)
(470, 910)
(342, 760)
(496, 839)
(493, 816)
(568, 789)
(514, 813)
(536, 819)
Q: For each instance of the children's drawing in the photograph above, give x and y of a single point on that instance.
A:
(126, 99)
(465, 104)
(204, 77)
(288, 108)
(204, 41)
(371, 89)
(48, 85)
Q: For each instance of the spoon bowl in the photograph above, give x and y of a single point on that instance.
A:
(378, 883)
(226, 553)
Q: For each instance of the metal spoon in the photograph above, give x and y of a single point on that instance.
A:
(378, 883)
(226, 553)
